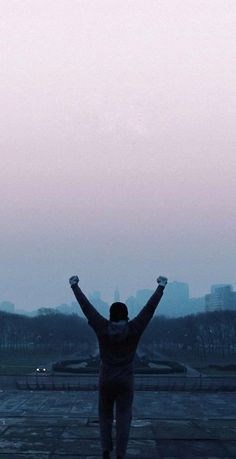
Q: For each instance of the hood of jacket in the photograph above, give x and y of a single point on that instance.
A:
(118, 330)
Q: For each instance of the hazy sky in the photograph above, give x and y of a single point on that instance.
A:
(118, 146)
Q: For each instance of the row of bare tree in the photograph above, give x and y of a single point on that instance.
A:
(48, 331)
(212, 333)
(202, 335)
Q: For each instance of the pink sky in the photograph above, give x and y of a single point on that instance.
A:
(118, 146)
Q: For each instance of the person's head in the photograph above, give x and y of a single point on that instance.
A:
(118, 311)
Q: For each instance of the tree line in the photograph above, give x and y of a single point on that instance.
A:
(202, 335)
(49, 331)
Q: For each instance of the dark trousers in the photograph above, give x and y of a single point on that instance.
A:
(119, 393)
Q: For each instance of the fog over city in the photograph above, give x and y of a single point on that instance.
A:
(117, 141)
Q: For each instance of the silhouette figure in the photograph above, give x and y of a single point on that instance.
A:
(118, 339)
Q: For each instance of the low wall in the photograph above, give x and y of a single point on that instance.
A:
(142, 382)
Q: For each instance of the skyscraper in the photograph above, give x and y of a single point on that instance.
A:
(175, 302)
(221, 297)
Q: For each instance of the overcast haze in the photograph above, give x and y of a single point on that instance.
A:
(117, 146)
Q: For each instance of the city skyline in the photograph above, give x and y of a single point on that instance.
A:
(175, 303)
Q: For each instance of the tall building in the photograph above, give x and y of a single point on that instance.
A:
(221, 298)
(175, 301)
(196, 305)
(136, 303)
(99, 304)
(131, 303)
(142, 296)
(216, 287)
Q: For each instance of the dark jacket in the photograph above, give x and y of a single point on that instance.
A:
(117, 340)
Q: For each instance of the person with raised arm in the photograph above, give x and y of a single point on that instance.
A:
(118, 339)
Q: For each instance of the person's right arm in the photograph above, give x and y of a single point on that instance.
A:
(96, 320)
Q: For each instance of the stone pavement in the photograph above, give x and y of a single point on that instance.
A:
(54, 425)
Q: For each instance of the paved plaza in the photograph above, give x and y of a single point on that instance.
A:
(56, 424)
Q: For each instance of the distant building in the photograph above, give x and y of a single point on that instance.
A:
(175, 302)
(221, 298)
(196, 305)
(216, 287)
(7, 306)
(136, 303)
(99, 304)
(142, 296)
(131, 303)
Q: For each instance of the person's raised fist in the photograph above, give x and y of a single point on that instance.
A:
(162, 281)
(74, 280)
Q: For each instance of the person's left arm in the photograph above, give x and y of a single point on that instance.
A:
(141, 321)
